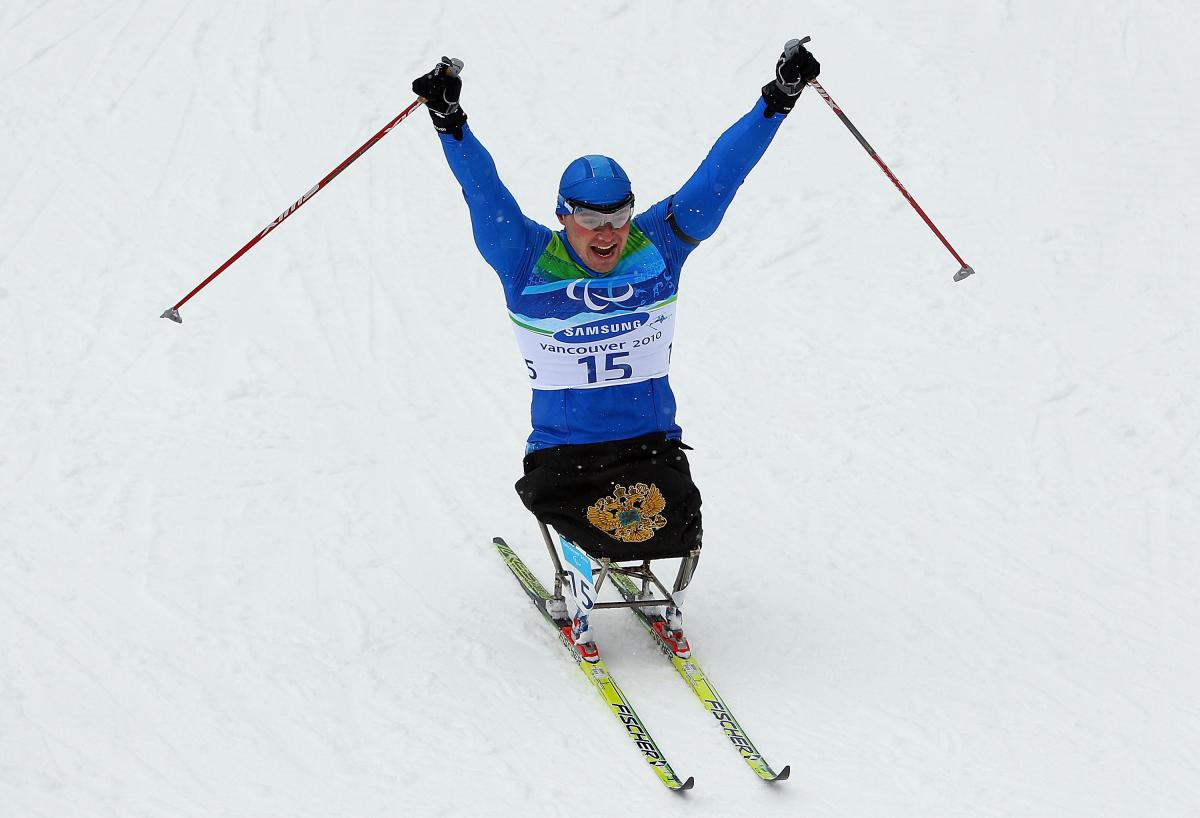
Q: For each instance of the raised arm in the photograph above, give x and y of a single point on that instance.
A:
(698, 207)
(503, 234)
(505, 237)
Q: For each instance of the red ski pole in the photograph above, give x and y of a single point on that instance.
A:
(173, 312)
(965, 269)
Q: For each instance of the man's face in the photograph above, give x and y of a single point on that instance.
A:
(600, 249)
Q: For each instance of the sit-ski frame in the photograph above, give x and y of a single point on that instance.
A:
(640, 572)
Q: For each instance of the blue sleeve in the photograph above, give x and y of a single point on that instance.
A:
(700, 204)
(506, 238)
(674, 248)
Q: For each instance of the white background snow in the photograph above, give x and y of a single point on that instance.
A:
(950, 563)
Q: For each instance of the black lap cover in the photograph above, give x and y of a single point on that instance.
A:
(626, 499)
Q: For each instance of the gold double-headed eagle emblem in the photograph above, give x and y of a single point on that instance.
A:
(629, 514)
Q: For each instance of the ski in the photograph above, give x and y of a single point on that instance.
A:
(597, 673)
(690, 670)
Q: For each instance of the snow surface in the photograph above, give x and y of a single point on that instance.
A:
(950, 563)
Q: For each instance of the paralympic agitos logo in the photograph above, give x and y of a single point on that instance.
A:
(595, 301)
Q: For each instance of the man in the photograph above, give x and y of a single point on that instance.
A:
(593, 308)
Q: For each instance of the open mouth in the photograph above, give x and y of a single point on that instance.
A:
(604, 251)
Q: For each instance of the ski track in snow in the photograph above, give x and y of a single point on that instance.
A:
(245, 564)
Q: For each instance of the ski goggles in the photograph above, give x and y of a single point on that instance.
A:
(591, 217)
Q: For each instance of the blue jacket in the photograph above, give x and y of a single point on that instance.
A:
(513, 244)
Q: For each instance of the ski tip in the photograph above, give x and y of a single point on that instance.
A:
(783, 774)
(687, 785)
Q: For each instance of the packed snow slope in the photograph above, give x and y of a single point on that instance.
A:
(950, 563)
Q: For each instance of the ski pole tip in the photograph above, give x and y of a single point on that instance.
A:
(173, 314)
(964, 272)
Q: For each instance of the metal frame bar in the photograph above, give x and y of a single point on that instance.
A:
(640, 572)
(558, 569)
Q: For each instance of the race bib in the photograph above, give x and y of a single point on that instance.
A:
(593, 350)
(578, 569)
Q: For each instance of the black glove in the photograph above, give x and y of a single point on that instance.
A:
(441, 88)
(796, 67)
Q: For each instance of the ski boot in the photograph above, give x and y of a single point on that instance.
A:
(579, 634)
(669, 630)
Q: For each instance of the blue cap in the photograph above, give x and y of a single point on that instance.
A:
(595, 180)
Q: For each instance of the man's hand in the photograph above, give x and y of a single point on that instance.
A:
(795, 69)
(441, 89)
